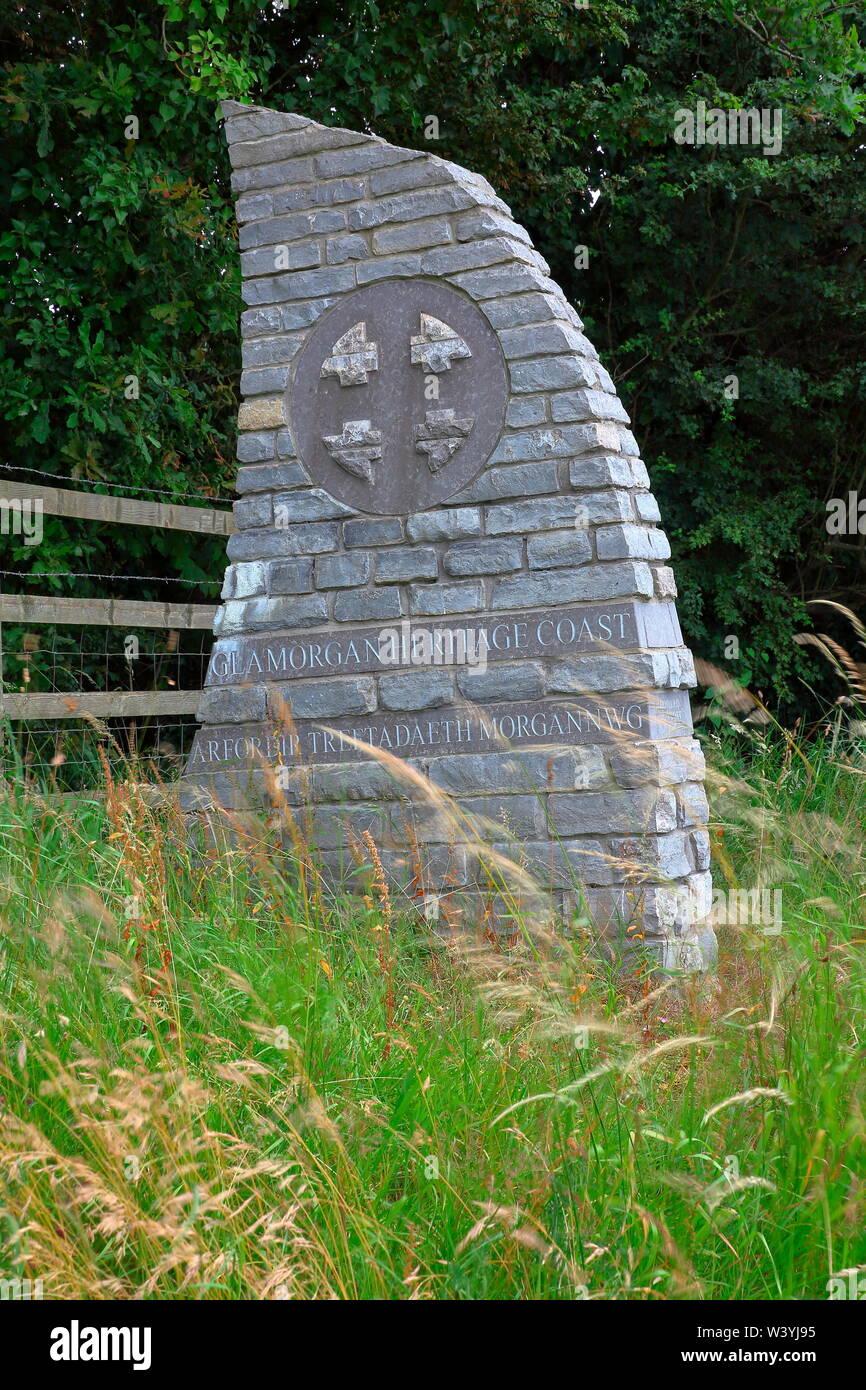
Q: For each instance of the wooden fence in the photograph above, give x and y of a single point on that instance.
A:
(34, 609)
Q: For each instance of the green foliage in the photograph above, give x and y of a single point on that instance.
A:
(119, 259)
(240, 1085)
(705, 262)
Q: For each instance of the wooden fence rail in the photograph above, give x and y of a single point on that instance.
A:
(127, 511)
(105, 612)
(34, 609)
(104, 704)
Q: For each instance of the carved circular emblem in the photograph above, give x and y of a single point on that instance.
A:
(399, 396)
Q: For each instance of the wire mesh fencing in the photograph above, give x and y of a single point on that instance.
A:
(74, 753)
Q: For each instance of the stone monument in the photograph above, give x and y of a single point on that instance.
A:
(446, 553)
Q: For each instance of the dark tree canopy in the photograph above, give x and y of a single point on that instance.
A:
(703, 263)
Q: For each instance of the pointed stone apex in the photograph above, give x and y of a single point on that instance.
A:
(253, 122)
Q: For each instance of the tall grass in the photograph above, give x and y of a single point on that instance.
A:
(219, 1081)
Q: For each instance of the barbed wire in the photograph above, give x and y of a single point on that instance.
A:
(126, 487)
(79, 660)
(61, 754)
(125, 578)
(56, 756)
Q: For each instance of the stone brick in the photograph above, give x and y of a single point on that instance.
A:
(291, 576)
(301, 314)
(227, 705)
(429, 825)
(277, 231)
(346, 248)
(452, 523)
(505, 280)
(258, 322)
(264, 380)
(539, 339)
(410, 206)
(344, 571)
(486, 223)
(475, 772)
(359, 160)
(544, 514)
(229, 618)
(483, 557)
(311, 504)
(554, 441)
(271, 477)
(261, 415)
(551, 374)
(520, 769)
(587, 405)
(263, 352)
(692, 807)
(357, 781)
(639, 475)
(257, 510)
(291, 144)
(324, 699)
(244, 580)
(400, 564)
(569, 862)
(572, 586)
(518, 816)
(612, 912)
(318, 195)
(273, 260)
(391, 268)
(411, 237)
(372, 531)
(255, 122)
(292, 540)
(329, 828)
(603, 671)
(613, 812)
(272, 175)
(299, 284)
(604, 379)
(647, 507)
(438, 864)
(699, 841)
(503, 682)
(363, 605)
(252, 448)
(665, 856)
(632, 543)
(438, 600)
(254, 206)
(314, 538)
(447, 260)
(422, 173)
(478, 910)
(590, 771)
(522, 480)
(526, 410)
(416, 690)
(680, 760)
(263, 614)
(665, 584)
(515, 310)
(601, 508)
(556, 548)
(600, 470)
